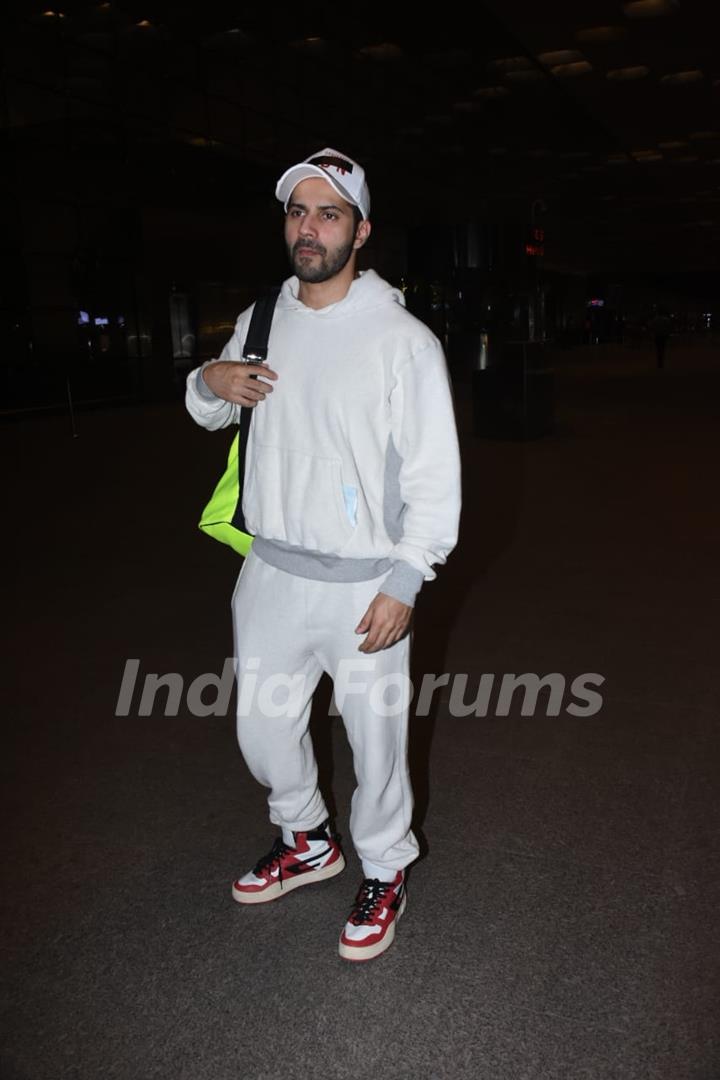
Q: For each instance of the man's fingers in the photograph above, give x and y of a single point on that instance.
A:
(249, 391)
(385, 621)
(266, 372)
(253, 387)
(253, 392)
(379, 637)
(245, 384)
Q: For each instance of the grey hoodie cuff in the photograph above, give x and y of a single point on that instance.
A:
(202, 387)
(403, 583)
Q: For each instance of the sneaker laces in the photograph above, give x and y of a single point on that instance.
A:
(372, 893)
(275, 855)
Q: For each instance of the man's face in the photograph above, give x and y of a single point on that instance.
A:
(320, 231)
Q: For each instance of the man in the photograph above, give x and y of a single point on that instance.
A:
(352, 492)
(661, 329)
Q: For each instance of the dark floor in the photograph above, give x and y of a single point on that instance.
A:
(564, 923)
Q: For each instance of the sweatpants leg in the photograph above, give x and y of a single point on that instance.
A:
(294, 628)
(277, 674)
(372, 694)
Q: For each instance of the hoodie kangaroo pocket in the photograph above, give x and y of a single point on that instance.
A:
(297, 498)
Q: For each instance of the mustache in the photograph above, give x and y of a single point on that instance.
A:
(310, 247)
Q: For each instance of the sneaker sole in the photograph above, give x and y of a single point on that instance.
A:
(281, 888)
(350, 952)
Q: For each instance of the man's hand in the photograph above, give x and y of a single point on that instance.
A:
(384, 622)
(239, 383)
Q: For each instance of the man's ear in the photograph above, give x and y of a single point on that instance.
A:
(362, 234)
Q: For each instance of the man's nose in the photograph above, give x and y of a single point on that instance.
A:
(308, 226)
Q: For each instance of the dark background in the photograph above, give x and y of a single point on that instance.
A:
(144, 140)
(562, 922)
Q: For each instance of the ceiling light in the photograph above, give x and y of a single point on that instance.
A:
(571, 71)
(310, 44)
(492, 92)
(601, 35)
(384, 52)
(560, 56)
(510, 63)
(681, 77)
(649, 9)
(144, 25)
(525, 75)
(628, 74)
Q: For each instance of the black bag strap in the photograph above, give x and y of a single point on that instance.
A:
(255, 347)
(255, 351)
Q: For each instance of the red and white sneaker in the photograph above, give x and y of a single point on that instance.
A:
(370, 930)
(315, 857)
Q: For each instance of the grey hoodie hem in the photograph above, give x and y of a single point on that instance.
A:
(403, 582)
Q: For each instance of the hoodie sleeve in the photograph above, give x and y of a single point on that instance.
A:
(425, 437)
(204, 406)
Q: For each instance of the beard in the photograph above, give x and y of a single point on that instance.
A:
(313, 269)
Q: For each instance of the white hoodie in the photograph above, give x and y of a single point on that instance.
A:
(352, 466)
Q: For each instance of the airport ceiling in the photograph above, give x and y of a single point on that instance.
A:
(603, 111)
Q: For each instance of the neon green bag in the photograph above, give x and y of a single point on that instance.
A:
(223, 518)
(220, 518)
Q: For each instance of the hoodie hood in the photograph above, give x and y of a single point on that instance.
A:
(367, 291)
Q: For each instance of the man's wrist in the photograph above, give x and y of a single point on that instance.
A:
(403, 583)
(201, 385)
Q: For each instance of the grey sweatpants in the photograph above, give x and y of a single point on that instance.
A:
(288, 631)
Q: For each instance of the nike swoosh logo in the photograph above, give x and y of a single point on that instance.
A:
(320, 855)
(398, 898)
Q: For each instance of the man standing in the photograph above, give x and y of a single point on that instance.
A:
(661, 329)
(352, 492)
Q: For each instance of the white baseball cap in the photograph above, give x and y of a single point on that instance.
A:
(340, 171)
